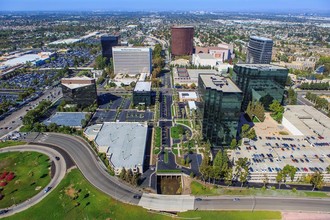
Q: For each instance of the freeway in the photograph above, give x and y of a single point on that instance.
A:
(60, 171)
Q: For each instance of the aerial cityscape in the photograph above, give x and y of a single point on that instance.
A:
(165, 110)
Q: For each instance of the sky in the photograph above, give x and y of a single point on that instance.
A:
(167, 5)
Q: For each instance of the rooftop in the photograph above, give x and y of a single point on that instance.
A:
(261, 38)
(261, 66)
(126, 142)
(142, 87)
(72, 119)
(219, 83)
(77, 82)
(179, 27)
(131, 49)
(205, 56)
(190, 95)
(308, 120)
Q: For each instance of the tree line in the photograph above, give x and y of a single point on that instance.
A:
(315, 86)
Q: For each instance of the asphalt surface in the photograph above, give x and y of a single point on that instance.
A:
(91, 167)
(58, 175)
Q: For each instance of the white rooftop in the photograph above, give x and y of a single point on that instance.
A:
(126, 142)
(192, 105)
(205, 56)
(188, 95)
(261, 38)
(142, 87)
(308, 120)
(22, 59)
(131, 49)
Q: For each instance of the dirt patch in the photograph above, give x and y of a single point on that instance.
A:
(38, 188)
(169, 185)
(186, 185)
(304, 216)
(70, 191)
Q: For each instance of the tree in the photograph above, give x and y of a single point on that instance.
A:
(220, 164)
(279, 178)
(245, 129)
(265, 179)
(317, 180)
(243, 176)
(233, 144)
(122, 174)
(277, 110)
(204, 168)
(328, 169)
(252, 134)
(266, 101)
(229, 177)
(290, 171)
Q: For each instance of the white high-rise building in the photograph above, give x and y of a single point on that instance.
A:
(132, 60)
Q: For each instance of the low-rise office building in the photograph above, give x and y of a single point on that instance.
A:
(123, 142)
(205, 60)
(79, 90)
(142, 93)
(189, 76)
(188, 96)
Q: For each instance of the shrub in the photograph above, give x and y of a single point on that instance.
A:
(1, 196)
(3, 175)
(294, 190)
(10, 176)
(3, 183)
(273, 188)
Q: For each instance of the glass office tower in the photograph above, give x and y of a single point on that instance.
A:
(221, 105)
(259, 50)
(260, 82)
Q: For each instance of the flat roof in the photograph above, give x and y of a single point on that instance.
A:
(22, 59)
(72, 119)
(131, 49)
(261, 38)
(126, 142)
(219, 83)
(205, 56)
(193, 73)
(261, 66)
(192, 105)
(77, 85)
(308, 120)
(183, 26)
(190, 95)
(142, 87)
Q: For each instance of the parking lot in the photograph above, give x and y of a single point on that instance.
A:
(135, 116)
(101, 116)
(270, 154)
(109, 101)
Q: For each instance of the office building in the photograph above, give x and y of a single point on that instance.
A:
(205, 60)
(182, 40)
(221, 104)
(132, 60)
(79, 90)
(260, 82)
(189, 76)
(123, 142)
(259, 50)
(142, 93)
(107, 43)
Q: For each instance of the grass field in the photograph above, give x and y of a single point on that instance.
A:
(32, 175)
(11, 143)
(199, 189)
(185, 122)
(176, 131)
(227, 215)
(166, 156)
(158, 136)
(93, 204)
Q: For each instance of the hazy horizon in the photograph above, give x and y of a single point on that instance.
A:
(293, 6)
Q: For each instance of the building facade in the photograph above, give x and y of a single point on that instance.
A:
(221, 104)
(107, 43)
(132, 60)
(182, 40)
(142, 93)
(259, 50)
(79, 90)
(260, 82)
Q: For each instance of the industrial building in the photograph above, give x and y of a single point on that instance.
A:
(123, 142)
(182, 40)
(259, 50)
(142, 93)
(132, 60)
(221, 104)
(260, 82)
(303, 120)
(36, 59)
(107, 43)
(79, 90)
(189, 76)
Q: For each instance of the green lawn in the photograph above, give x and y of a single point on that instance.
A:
(175, 151)
(11, 143)
(199, 189)
(32, 174)
(156, 150)
(185, 122)
(158, 136)
(176, 131)
(166, 156)
(229, 215)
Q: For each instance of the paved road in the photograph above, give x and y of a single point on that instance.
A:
(97, 175)
(60, 170)
(91, 167)
(263, 203)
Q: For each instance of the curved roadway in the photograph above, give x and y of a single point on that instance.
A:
(60, 170)
(95, 172)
